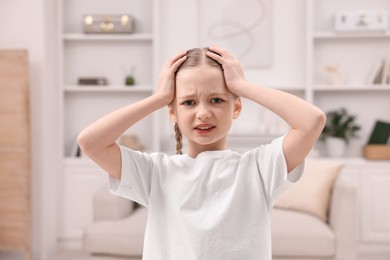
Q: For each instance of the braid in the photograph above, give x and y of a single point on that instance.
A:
(178, 137)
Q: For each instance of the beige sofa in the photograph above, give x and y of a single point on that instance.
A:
(118, 230)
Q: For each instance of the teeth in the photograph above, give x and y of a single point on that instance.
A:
(204, 127)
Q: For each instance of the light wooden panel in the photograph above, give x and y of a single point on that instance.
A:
(14, 152)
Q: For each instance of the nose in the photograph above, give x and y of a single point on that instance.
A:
(203, 112)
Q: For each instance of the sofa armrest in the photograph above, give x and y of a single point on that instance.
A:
(107, 206)
(343, 218)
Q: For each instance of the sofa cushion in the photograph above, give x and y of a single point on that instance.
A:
(312, 192)
(117, 237)
(107, 206)
(297, 234)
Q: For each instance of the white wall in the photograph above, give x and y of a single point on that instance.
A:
(179, 31)
(26, 24)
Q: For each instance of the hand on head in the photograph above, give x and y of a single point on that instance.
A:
(166, 81)
(232, 69)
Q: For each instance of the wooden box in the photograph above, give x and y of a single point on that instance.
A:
(377, 152)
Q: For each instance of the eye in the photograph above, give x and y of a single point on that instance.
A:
(216, 100)
(188, 103)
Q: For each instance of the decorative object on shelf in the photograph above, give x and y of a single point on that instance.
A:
(378, 147)
(100, 81)
(93, 23)
(361, 20)
(129, 81)
(129, 78)
(376, 152)
(380, 73)
(340, 128)
(380, 133)
(335, 146)
(131, 141)
(334, 75)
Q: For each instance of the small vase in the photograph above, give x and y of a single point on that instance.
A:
(335, 146)
(129, 81)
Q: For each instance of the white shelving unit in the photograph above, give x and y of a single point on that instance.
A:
(100, 55)
(354, 53)
(115, 54)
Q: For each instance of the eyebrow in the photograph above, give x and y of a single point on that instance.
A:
(210, 94)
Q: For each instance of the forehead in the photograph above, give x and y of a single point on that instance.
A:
(204, 79)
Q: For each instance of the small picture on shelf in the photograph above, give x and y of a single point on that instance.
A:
(380, 133)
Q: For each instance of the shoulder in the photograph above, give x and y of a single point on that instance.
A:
(267, 151)
(154, 157)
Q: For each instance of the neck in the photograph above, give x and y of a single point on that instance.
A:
(195, 149)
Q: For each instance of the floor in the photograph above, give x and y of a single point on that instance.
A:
(69, 254)
(61, 255)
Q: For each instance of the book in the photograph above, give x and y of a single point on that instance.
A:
(380, 133)
(376, 71)
(385, 72)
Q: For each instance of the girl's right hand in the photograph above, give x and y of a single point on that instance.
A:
(166, 81)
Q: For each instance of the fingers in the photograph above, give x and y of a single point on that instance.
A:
(176, 57)
(219, 54)
(217, 49)
(173, 63)
(178, 63)
(215, 56)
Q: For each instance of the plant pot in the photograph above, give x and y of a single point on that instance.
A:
(335, 146)
(129, 81)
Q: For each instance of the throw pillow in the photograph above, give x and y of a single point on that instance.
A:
(312, 192)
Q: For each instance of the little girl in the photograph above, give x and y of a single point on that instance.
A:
(209, 203)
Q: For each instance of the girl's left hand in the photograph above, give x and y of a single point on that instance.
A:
(232, 69)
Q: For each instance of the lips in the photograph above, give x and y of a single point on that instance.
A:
(204, 128)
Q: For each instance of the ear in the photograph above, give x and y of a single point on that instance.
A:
(237, 108)
(172, 113)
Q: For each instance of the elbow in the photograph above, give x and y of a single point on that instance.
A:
(83, 141)
(323, 120)
(319, 121)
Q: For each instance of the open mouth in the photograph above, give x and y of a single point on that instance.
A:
(203, 129)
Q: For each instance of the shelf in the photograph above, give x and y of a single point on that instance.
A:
(286, 87)
(350, 35)
(326, 88)
(109, 88)
(107, 37)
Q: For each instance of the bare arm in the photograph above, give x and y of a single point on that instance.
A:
(98, 139)
(306, 120)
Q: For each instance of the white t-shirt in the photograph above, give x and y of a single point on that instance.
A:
(215, 206)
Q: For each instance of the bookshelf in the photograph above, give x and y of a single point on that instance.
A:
(99, 55)
(354, 54)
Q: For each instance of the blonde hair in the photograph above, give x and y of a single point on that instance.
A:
(195, 58)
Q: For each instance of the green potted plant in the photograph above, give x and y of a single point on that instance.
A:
(340, 128)
(129, 75)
